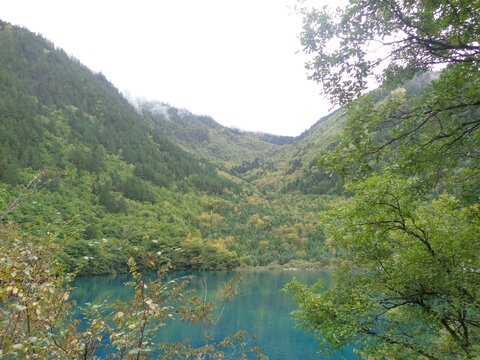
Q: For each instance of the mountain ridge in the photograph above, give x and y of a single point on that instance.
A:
(206, 137)
(128, 190)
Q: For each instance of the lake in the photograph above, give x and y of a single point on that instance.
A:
(260, 308)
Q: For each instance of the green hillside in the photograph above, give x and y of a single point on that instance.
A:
(55, 110)
(203, 136)
(294, 166)
(271, 163)
(133, 182)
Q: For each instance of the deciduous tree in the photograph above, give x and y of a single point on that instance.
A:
(411, 233)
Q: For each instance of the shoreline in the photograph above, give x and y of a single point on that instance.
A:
(288, 267)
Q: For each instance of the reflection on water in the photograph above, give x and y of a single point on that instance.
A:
(260, 308)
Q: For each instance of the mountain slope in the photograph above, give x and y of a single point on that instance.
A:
(127, 190)
(47, 97)
(273, 163)
(205, 137)
(294, 166)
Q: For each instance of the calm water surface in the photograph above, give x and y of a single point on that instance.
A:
(260, 308)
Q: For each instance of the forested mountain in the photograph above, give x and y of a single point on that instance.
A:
(135, 181)
(153, 177)
(271, 163)
(294, 166)
(54, 109)
(205, 137)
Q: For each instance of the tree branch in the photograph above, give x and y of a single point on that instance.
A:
(38, 182)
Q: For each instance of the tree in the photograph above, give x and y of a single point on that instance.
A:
(411, 231)
(411, 289)
(390, 40)
(37, 318)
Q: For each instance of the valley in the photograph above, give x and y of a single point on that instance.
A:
(151, 178)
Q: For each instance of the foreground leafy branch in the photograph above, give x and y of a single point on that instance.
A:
(415, 291)
(410, 157)
(42, 179)
(388, 40)
(36, 315)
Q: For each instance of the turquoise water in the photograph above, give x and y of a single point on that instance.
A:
(260, 308)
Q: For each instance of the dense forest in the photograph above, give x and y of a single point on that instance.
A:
(136, 177)
(385, 190)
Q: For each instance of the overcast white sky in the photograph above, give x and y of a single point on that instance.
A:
(233, 60)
